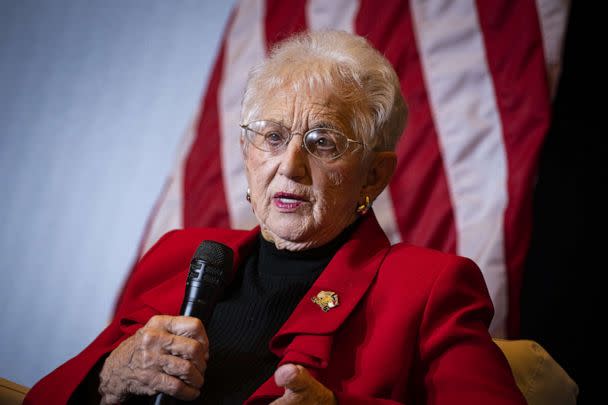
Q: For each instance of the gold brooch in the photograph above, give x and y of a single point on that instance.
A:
(326, 300)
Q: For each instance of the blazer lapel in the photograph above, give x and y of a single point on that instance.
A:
(306, 338)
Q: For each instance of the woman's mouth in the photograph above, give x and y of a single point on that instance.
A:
(288, 202)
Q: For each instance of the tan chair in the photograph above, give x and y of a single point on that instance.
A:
(537, 374)
(11, 393)
(539, 377)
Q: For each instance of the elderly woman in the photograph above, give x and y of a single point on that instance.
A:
(321, 308)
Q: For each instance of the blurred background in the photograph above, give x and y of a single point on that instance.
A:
(95, 97)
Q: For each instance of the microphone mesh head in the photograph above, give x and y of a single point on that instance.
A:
(216, 254)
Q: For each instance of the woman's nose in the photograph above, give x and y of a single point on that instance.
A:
(294, 161)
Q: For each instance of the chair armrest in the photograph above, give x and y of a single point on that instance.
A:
(539, 377)
(11, 393)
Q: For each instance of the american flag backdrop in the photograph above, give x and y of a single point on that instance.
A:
(478, 77)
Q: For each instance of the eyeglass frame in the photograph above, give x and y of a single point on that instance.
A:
(246, 127)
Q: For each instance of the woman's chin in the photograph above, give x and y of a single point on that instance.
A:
(291, 226)
(288, 233)
(293, 234)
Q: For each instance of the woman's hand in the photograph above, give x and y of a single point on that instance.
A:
(169, 354)
(300, 387)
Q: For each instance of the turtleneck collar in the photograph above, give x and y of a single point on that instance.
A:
(281, 262)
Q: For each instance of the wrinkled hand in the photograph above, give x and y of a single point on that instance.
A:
(169, 354)
(301, 387)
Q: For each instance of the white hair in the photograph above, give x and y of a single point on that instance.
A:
(360, 76)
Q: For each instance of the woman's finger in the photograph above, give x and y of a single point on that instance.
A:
(186, 348)
(157, 338)
(180, 325)
(182, 369)
(174, 387)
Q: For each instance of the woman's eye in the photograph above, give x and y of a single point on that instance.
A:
(324, 143)
(273, 138)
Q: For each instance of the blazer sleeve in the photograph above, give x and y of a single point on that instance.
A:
(461, 364)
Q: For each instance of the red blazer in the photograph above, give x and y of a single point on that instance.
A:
(411, 326)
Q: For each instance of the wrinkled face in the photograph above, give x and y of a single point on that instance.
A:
(300, 201)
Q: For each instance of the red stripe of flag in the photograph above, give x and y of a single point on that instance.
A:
(283, 18)
(514, 51)
(205, 202)
(419, 187)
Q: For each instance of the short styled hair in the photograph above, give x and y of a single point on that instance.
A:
(351, 67)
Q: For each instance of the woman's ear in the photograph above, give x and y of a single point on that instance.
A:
(379, 174)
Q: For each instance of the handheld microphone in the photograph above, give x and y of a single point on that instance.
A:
(209, 266)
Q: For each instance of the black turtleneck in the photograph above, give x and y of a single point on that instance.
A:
(270, 285)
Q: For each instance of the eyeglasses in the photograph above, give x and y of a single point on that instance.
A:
(325, 144)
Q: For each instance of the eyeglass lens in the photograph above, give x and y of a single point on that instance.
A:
(323, 143)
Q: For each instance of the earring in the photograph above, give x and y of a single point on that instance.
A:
(363, 208)
(248, 195)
